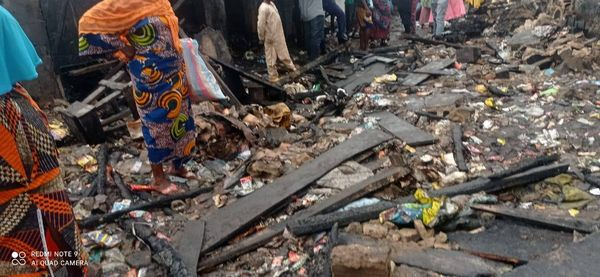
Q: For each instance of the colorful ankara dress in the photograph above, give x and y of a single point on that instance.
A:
(382, 19)
(35, 212)
(160, 85)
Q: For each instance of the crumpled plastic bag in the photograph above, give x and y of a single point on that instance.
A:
(387, 78)
(565, 194)
(103, 239)
(426, 210)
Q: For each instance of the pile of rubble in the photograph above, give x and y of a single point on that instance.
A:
(419, 159)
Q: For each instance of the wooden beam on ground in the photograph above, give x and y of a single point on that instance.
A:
(309, 66)
(543, 218)
(415, 79)
(186, 249)
(403, 130)
(93, 68)
(459, 155)
(341, 199)
(94, 221)
(579, 259)
(247, 75)
(431, 41)
(451, 263)
(324, 222)
(228, 221)
(101, 88)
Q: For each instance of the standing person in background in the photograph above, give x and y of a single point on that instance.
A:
(407, 10)
(382, 20)
(35, 212)
(270, 32)
(445, 10)
(425, 14)
(332, 8)
(145, 35)
(350, 8)
(438, 10)
(313, 16)
(364, 16)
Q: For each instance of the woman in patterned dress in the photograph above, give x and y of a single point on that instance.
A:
(35, 212)
(382, 20)
(144, 34)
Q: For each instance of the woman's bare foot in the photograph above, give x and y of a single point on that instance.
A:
(183, 173)
(161, 184)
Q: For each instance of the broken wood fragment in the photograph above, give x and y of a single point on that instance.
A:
(579, 259)
(497, 258)
(102, 159)
(94, 221)
(161, 248)
(542, 218)
(309, 66)
(415, 79)
(448, 262)
(187, 249)
(592, 180)
(324, 222)
(346, 196)
(94, 67)
(526, 165)
(403, 130)
(246, 75)
(225, 223)
(459, 154)
(430, 115)
(431, 41)
(125, 193)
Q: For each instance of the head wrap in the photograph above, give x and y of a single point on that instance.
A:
(18, 58)
(118, 16)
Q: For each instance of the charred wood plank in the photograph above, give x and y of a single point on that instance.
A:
(431, 41)
(246, 75)
(593, 180)
(94, 221)
(324, 222)
(168, 257)
(459, 154)
(309, 66)
(228, 221)
(346, 196)
(567, 223)
(403, 130)
(415, 79)
(526, 165)
(102, 159)
(125, 193)
(94, 67)
(577, 259)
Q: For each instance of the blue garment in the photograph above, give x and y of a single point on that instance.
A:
(18, 58)
(314, 36)
(332, 8)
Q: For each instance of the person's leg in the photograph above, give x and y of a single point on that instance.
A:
(364, 38)
(335, 10)
(425, 14)
(308, 43)
(283, 54)
(350, 18)
(439, 15)
(413, 16)
(404, 11)
(271, 60)
(318, 36)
